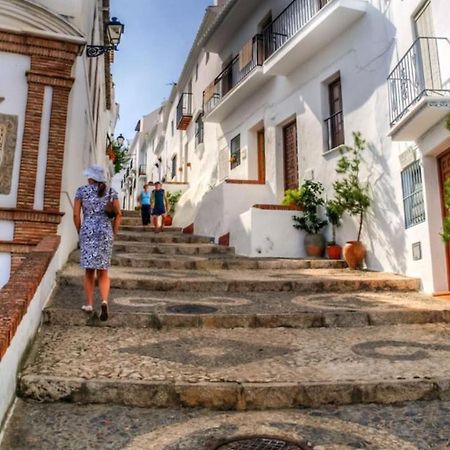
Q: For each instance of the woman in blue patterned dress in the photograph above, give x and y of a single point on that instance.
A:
(96, 233)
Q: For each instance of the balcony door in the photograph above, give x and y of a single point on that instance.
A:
(444, 172)
(261, 156)
(290, 150)
(428, 48)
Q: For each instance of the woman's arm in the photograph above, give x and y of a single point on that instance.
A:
(77, 215)
(118, 219)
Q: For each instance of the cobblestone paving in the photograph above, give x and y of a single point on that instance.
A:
(257, 356)
(410, 426)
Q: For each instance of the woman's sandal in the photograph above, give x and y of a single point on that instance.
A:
(104, 312)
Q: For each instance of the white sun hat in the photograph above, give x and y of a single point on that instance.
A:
(96, 173)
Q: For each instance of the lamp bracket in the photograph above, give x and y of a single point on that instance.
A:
(92, 51)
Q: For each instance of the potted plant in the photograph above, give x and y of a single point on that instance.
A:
(291, 198)
(352, 196)
(173, 198)
(310, 197)
(334, 213)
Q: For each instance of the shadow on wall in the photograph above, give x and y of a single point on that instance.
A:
(384, 228)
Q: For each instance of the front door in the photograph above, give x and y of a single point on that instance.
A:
(444, 172)
(261, 157)
(290, 156)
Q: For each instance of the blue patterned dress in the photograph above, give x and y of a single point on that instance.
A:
(96, 234)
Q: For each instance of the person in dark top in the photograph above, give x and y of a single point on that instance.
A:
(160, 205)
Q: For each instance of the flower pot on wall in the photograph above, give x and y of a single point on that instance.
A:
(354, 253)
(334, 251)
(314, 245)
(168, 221)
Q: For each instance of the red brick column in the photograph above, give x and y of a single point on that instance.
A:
(30, 146)
(55, 154)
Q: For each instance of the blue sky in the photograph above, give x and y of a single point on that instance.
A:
(158, 36)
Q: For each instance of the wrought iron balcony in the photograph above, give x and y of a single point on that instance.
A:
(184, 111)
(305, 27)
(289, 22)
(234, 74)
(419, 88)
(335, 130)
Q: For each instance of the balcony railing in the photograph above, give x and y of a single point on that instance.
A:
(184, 111)
(335, 130)
(288, 23)
(419, 74)
(233, 74)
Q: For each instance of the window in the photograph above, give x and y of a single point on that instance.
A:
(196, 72)
(174, 167)
(199, 130)
(413, 202)
(335, 121)
(172, 127)
(235, 156)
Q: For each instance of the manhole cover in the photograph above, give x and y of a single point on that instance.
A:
(191, 308)
(259, 443)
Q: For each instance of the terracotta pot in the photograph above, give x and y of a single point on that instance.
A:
(354, 253)
(314, 245)
(334, 251)
(168, 221)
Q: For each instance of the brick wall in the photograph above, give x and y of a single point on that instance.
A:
(21, 288)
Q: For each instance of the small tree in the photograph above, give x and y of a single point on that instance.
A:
(352, 195)
(120, 156)
(173, 198)
(446, 222)
(334, 214)
(310, 198)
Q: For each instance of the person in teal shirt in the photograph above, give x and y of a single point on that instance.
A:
(144, 201)
(159, 205)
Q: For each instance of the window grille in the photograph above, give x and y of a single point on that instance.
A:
(413, 201)
(199, 130)
(235, 145)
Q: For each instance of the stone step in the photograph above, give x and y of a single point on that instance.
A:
(239, 369)
(169, 248)
(147, 229)
(132, 214)
(214, 261)
(301, 280)
(410, 426)
(164, 237)
(159, 310)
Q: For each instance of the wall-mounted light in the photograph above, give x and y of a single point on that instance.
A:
(114, 30)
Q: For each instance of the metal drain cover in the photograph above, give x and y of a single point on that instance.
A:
(191, 308)
(259, 443)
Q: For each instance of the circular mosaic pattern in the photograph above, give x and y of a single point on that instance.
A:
(259, 443)
(191, 308)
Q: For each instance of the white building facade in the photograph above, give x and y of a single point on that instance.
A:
(273, 89)
(57, 115)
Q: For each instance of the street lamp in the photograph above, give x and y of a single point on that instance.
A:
(114, 30)
(120, 140)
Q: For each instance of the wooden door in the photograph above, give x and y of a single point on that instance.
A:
(444, 173)
(261, 156)
(291, 179)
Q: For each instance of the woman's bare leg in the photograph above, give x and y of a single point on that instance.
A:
(89, 284)
(104, 284)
